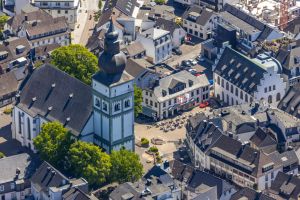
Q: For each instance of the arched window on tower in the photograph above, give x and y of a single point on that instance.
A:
(278, 97)
(270, 99)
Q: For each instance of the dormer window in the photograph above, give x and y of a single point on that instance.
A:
(97, 102)
(191, 83)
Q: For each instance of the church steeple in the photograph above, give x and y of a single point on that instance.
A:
(112, 60)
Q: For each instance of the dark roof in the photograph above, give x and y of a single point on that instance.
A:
(199, 177)
(9, 165)
(8, 83)
(262, 139)
(134, 49)
(76, 194)
(66, 96)
(47, 176)
(285, 185)
(239, 70)
(293, 26)
(10, 47)
(127, 6)
(290, 103)
(205, 134)
(181, 171)
(167, 25)
(202, 14)
(250, 194)
(136, 67)
(112, 79)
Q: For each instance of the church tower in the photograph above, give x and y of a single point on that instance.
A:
(113, 98)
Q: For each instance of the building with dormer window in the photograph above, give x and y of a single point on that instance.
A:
(63, 8)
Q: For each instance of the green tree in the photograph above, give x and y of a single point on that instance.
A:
(88, 161)
(53, 143)
(2, 155)
(3, 20)
(138, 99)
(77, 61)
(160, 2)
(126, 166)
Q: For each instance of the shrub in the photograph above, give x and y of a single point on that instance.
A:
(7, 111)
(2, 155)
(160, 2)
(144, 142)
(158, 159)
(153, 149)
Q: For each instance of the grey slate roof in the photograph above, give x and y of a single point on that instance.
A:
(290, 103)
(77, 107)
(111, 80)
(249, 194)
(134, 49)
(246, 22)
(289, 181)
(136, 67)
(76, 194)
(127, 6)
(239, 70)
(167, 25)
(9, 165)
(8, 84)
(203, 14)
(47, 176)
(262, 139)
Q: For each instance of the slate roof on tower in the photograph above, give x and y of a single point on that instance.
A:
(55, 95)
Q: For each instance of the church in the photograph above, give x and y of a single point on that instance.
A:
(102, 113)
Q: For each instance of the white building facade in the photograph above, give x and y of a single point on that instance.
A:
(239, 79)
(157, 43)
(63, 8)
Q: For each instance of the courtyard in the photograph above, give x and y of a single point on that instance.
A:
(173, 140)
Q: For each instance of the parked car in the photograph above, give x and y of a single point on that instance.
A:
(186, 63)
(204, 104)
(194, 62)
(177, 51)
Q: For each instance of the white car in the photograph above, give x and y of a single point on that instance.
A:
(194, 62)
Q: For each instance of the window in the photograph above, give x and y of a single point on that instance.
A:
(175, 101)
(12, 186)
(218, 80)
(127, 103)
(198, 91)
(246, 97)
(272, 175)
(146, 93)
(274, 87)
(28, 129)
(117, 107)
(146, 100)
(104, 106)
(231, 89)
(155, 105)
(97, 103)
(58, 11)
(227, 86)
(222, 82)
(192, 93)
(151, 103)
(270, 88)
(236, 92)
(1, 188)
(266, 90)
(278, 97)
(241, 95)
(20, 120)
(164, 104)
(270, 99)
(66, 12)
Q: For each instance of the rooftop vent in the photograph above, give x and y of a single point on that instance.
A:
(71, 95)
(50, 108)
(34, 99)
(53, 85)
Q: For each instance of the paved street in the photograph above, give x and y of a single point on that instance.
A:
(85, 24)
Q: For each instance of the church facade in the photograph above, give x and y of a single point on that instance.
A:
(102, 113)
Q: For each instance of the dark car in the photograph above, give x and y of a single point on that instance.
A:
(186, 63)
(177, 51)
